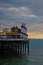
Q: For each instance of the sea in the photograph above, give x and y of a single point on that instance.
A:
(35, 56)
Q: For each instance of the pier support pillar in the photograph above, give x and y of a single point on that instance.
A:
(14, 47)
(25, 48)
(28, 48)
(20, 49)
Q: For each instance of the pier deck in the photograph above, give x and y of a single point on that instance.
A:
(14, 39)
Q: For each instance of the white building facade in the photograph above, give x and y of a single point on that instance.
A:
(23, 31)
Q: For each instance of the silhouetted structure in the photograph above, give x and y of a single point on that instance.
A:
(14, 47)
(14, 41)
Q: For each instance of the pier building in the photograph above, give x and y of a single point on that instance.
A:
(15, 42)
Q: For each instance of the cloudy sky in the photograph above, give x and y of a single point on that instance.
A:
(15, 12)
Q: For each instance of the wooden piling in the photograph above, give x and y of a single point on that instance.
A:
(28, 48)
(25, 48)
(20, 49)
(14, 47)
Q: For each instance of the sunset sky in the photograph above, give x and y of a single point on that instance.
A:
(15, 12)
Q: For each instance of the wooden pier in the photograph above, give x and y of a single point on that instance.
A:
(9, 47)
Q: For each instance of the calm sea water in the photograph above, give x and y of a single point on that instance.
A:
(35, 55)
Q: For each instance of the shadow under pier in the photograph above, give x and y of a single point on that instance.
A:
(14, 47)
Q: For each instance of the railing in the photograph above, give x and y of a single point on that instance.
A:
(12, 34)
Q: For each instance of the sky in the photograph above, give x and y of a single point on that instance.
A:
(15, 12)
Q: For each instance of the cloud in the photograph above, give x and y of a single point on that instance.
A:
(18, 12)
(35, 5)
(14, 12)
(36, 27)
(17, 15)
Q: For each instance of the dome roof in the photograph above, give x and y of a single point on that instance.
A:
(23, 24)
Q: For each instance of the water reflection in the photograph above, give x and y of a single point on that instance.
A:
(20, 60)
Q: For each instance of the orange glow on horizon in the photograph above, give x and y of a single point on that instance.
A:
(35, 35)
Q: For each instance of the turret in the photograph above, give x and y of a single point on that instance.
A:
(23, 31)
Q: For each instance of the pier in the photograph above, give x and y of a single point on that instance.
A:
(9, 47)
